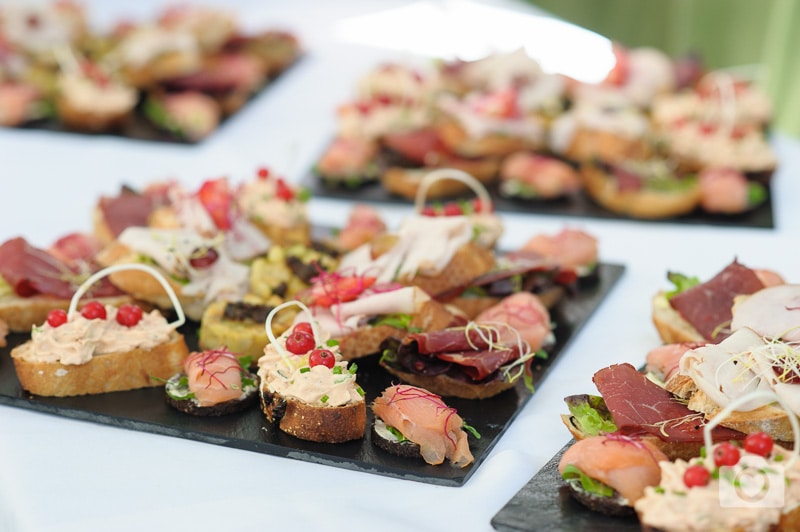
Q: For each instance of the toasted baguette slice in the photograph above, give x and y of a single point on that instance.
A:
(644, 203)
(323, 424)
(470, 261)
(590, 144)
(367, 340)
(405, 182)
(246, 338)
(110, 372)
(670, 324)
(144, 286)
(771, 418)
(22, 313)
(458, 140)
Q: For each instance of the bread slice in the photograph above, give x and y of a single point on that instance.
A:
(367, 340)
(468, 262)
(143, 286)
(405, 182)
(246, 338)
(111, 372)
(671, 326)
(22, 313)
(770, 418)
(323, 424)
(643, 203)
(458, 140)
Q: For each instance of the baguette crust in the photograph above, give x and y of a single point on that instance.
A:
(323, 424)
(144, 286)
(104, 373)
(457, 139)
(245, 338)
(405, 182)
(589, 144)
(671, 326)
(470, 261)
(643, 203)
(367, 340)
(90, 120)
(22, 313)
(771, 419)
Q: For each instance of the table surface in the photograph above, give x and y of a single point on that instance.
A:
(60, 474)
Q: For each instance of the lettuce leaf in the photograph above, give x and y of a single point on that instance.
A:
(682, 282)
(588, 484)
(590, 414)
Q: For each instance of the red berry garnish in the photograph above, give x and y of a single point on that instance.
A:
(263, 172)
(57, 317)
(321, 356)
(203, 258)
(283, 191)
(726, 454)
(129, 315)
(300, 342)
(696, 476)
(453, 209)
(759, 443)
(305, 327)
(94, 310)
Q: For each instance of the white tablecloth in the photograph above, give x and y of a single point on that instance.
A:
(60, 474)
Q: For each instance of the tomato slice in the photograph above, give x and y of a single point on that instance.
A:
(217, 198)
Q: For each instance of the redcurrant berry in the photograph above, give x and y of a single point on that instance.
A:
(57, 317)
(129, 315)
(94, 310)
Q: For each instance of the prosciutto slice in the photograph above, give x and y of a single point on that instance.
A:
(31, 271)
(707, 306)
(451, 340)
(480, 364)
(639, 405)
(129, 209)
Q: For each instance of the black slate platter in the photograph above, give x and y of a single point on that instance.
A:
(579, 206)
(139, 127)
(544, 503)
(147, 411)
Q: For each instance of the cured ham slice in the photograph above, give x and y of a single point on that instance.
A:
(707, 306)
(31, 271)
(480, 364)
(639, 405)
(128, 209)
(451, 340)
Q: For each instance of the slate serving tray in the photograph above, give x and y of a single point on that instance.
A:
(544, 503)
(139, 127)
(579, 206)
(146, 410)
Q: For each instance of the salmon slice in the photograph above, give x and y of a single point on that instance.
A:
(625, 464)
(525, 314)
(423, 418)
(570, 248)
(664, 359)
(215, 376)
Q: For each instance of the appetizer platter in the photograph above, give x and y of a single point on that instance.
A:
(175, 78)
(658, 139)
(146, 410)
(220, 315)
(706, 432)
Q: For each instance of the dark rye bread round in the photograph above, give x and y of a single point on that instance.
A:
(404, 448)
(614, 506)
(190, 406)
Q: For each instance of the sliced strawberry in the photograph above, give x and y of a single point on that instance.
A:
(501, 103)
(217, 198)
